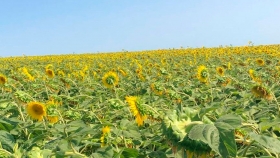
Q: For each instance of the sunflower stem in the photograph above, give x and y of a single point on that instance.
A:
(63, 121)
(246, 149)
(46, 89)
(260, 146)
(75, 151)
(211, 90)
(22, 117)
(152, 109)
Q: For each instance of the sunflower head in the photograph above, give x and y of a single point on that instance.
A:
(61, 73)
(138, 71)
(110, 79)
(52, 119)
(49, 66)
(202, 74)
(262, 92)
(253, 76)
(36, 110)
(105, 130)
(229, 66)
(50, 73)
(223, 81)
(3, 79)
(141, 77)
(137, 109)
(260, 62)
(122, 72)
(156, 89)
(220, 71)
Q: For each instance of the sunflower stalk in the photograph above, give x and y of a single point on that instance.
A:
(62, 119)
(151, 109)
(190, 98)
(260, 146)
(211, 91)
(252, 126)
(22, 117)
(75, 151)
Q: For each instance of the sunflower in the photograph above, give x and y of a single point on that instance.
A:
(36, 110)
(223, 81)
(110, 79)
(136, 109)
(262, 92)
(52, 119)
(220, 71)
(240, 137)
(253, 76)
(105, 131)
(260, 62)
(27, 74)
(277, 68)
(49, 66)
(156, 89)
(122, 72)
(102, 140)
(141, 77)
(138, 70)
(229, 66)
(226, 82)
(61, 73)
(50, 73)
(202, 74)
(251, 73)
(3, 79)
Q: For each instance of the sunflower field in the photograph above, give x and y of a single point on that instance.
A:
(169, 103)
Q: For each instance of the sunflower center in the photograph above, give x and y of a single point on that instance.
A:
(2, 79)
(204, 74)
(50, 72)
(110, 80)
(140, 108)
(38, 109)
(260, 61)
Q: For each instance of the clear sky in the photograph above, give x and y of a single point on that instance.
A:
(36, 27)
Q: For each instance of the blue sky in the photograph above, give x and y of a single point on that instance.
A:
(33, 27)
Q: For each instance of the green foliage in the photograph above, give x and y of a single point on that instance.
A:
(229, 114)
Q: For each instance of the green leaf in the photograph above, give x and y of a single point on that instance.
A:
(5, 153)
(134, 134)
(36, 152)
(105, 152)
(220, 136)
(232, 120)
(206, 110)
(7, 140)
(124, 123)
(226, 125)
(207, 133)
(267, 124)
(268, 142)
(227, 146)
(129, 153)
(160, 154)
(6, 124)
(4, 103)
(63, 145)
